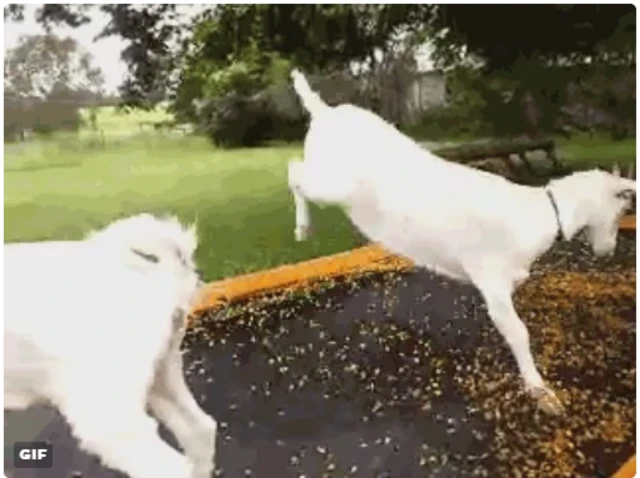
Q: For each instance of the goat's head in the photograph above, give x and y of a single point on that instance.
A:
(148, 244)
(607, 197)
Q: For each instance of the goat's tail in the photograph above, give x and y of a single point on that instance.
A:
(310, 99)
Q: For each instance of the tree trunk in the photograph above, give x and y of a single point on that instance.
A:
(531, 115)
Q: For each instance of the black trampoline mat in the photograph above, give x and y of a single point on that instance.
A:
(403, 375)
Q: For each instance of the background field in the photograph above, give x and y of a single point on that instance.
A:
(62, 187)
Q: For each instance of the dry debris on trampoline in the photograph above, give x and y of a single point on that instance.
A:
(402, 374)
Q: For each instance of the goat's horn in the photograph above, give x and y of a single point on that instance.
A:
(616, 170)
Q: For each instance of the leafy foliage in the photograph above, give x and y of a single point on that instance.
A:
(531, 50)
(151, 30)
(538, 51)
(245, 53)
(14, 11)
(549, 33)
(41, 63)
(46, 80)
(312, 36)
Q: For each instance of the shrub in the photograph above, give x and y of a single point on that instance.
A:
(236, 120)
(446, 122)
(247, 103)
(43, 117)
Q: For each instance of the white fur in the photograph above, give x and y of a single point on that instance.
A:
(465, 223)
(94, 329)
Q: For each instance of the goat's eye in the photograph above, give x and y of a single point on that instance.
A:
(148, 257)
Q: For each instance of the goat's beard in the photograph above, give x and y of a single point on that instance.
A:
(178, 318)
(192, 293)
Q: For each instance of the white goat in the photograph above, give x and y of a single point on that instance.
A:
(94, 327)
(467, 224)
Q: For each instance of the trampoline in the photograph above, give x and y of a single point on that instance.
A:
(389, 371)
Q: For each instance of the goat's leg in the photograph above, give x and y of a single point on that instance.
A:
(514, 331)
(123, 435)
(303, 218)
(318, 183)
(172, 402)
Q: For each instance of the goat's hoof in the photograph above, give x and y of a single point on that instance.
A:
(547, 400)
(301, 233)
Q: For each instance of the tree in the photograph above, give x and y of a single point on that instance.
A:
(551, 34)
(517, 44)
(47, 80)
(315, 37)
(245, 50)
(148, 28)
(312, 36)
(44, 65)
(539, 49)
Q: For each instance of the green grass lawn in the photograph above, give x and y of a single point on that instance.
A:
(581, 151)
(245, 213)
(240, 198)
(118, 123)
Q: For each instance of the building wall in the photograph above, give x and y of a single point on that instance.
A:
(428, 90)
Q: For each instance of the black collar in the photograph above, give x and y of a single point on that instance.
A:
(559, 234)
